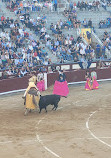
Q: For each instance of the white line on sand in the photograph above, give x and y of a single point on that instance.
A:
(41, 141)
(6, 142)
(95, 137)
(87, 126)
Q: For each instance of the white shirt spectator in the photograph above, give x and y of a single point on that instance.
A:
(12, 25)
(34, 43)
(2, 34)
(45, 62)
(82, 51)
(39, 17)
(24, 55)
(21, 32)
(107, 40)
(6, 55)
(21, 18)
(25, 4)
(9, 72)
(43, 29)
(56, 43)
(84, 46)
(31, 20)
(70, 42)
(16, 61)
(61, 23)
(7, 36)
(9, 44)
(68, 37)
(30, 47)
(47, 36)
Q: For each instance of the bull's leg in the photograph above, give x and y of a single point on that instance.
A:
(40, 110)
(46, 109)
(53, 108)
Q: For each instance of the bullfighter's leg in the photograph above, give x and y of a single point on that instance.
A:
(26, 112)
(29, 110)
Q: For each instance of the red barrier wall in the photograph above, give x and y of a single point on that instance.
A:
(71, 76)
(13, 84)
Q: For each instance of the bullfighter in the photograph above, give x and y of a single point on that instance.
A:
(29, 104)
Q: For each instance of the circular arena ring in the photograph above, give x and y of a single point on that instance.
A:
(81, 127)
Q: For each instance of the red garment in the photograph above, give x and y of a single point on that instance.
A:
(61, 88)
(74, 4)
(95, 83)
(2, 18)
(35, 54)
(88, 84)
(41, 85)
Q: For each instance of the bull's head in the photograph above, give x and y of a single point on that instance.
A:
(33, 92)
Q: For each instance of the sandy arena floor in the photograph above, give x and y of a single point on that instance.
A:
(80, 128)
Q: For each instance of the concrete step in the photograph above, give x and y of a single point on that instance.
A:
(95, 16)
(6, 12)
(100, 32)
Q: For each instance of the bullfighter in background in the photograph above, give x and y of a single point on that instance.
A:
(61, 86)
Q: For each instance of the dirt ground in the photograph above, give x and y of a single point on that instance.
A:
(80, 128)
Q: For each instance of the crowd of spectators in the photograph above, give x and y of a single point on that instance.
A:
(72, 18)
(32, 6)
(105, 23)
(90, 5)
(19, 50)
(107, 40)
(65, 47)
(34, 24)
(20, 53)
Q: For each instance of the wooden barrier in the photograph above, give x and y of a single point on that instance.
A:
(71, 76)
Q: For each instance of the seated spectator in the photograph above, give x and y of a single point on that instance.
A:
(19, 75)
(45, 62)
(9, 72)
(90, 23)
(5, 74)
(54, 49)
(23, 72)
(102, 57)
(85, 23)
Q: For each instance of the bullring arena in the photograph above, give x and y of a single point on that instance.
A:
(80, 128)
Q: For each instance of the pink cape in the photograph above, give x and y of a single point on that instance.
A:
(61, 88)
(95, 83)
(41, 85)
(88, 85)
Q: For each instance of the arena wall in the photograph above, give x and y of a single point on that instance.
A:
(12, 84)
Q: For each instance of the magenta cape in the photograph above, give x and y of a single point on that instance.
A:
(88, 85)
(41, 85)
(61, 88)
(95, 83)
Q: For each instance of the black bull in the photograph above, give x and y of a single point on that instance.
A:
(46, 100)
